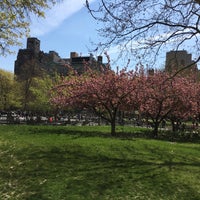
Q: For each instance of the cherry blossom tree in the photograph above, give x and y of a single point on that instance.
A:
(196, 100)
(165, 97)
(185, 96)
(157, 96)
(105, 93)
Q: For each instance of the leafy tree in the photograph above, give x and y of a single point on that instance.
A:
(106, 93)
(15, 20)
(35, 93)
(148, 26)
(29, 71)
(39, 91)
(9, 98)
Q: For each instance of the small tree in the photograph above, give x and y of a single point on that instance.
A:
(186, 101)
(9, 96)
(39, 91)
(164, 97)
(104, 93)
(29, 71)
(195, 89)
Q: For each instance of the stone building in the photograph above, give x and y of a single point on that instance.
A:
(177, 60)
(34, 61)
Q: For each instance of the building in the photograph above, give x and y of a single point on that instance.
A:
(34, 61)
(177, 60)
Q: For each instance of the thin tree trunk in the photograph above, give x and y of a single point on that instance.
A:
(113, 128)
(173, 125)
(155, 130)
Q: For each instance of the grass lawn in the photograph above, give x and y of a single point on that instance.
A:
(72, 163)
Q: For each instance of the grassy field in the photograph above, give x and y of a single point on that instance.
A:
(72, 163)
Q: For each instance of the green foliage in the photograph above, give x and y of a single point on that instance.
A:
(35, 92)
(32, 93)
(40, 92)
(42, 163)
(15, 20)
(9, 97)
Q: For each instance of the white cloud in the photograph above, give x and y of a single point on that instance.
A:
(55, 16)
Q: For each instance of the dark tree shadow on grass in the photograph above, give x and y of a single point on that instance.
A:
(74, 172)
(120, 134)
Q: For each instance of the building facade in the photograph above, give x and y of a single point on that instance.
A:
(35, 61)
(180, 60)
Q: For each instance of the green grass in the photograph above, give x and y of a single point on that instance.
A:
(72, 163)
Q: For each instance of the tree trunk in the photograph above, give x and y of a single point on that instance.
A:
(155, 129)
(175, 125)
(113, 128)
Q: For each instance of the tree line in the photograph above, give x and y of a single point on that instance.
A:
(139, 27)
(29, 94)
(156, 96)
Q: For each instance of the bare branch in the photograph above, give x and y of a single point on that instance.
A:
(151, 25)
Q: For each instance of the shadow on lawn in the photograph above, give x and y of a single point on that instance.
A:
(120, 133)
(76, 173)
(74, 131)
(104, 132)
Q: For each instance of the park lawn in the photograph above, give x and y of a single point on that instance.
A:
(72, 163)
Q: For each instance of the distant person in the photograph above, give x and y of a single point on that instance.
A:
(51, 119)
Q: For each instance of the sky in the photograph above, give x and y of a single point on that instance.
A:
(68, 27)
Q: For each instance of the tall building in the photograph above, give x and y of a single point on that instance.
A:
(177, 60)
(34, 61)
(33, 44)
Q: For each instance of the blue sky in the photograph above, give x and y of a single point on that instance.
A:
(67, 27)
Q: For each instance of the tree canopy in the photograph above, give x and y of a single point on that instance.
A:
(105, 94)
(163, 97)
(148, 27)
(155, 96)
(9, 91)
(15, 20)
